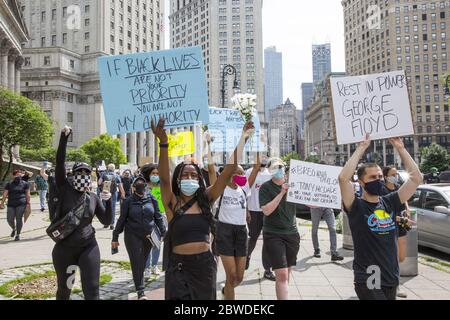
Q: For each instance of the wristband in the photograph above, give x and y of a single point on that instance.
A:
(163, 145)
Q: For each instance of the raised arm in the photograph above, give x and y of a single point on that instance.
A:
(255, 170)
(60, 168)
(345, 183)
(167, 195)
(415, 176)
(216, 190)
(43, 174)
(211, 169)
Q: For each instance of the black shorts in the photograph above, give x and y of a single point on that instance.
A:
(282, 249)
(231, 240)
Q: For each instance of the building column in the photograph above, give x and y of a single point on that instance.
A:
(19, 63)
(12, 72)
(151, 146)
(141, 151)
(123, 143)
(4, 62)
(133, 150)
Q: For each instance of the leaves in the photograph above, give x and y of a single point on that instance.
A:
(292, 155)
(104, 147)
(434, 156)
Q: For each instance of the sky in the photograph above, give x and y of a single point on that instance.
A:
(293, 26)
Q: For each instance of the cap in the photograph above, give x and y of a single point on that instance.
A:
(81, 166)
(139, 177)
(276, 163)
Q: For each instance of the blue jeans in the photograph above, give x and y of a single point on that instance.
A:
(153, 258)
(42, 197)
(113, 206)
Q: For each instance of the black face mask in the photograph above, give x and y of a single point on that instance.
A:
(374, 188)
(140, 188)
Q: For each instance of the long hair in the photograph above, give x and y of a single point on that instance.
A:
(201, 195)
(147, 169)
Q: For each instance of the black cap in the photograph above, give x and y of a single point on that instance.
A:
(81, 166)
(139, 177)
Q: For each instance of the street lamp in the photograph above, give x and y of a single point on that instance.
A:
(447, 87)
(228, 70)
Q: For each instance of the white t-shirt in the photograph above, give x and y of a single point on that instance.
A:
(262, 177)
(233, 209)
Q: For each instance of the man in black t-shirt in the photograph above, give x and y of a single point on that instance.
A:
(372, 219)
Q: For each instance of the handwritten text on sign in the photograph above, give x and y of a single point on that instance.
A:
(137, 88)
(226, 127)
(376, 104)
(314, 184)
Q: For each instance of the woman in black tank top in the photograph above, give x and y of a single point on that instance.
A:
(188, 261)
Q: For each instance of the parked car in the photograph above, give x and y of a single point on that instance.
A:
(444, 177)
(432, 202)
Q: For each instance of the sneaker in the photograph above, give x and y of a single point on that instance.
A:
(317, 253)
(147, 274)
(336, 257)
(13, 233)
(269, 275)
(42, 209)
(111, 227)
(17, 238)
(247, 264)
(141, 296)
(156, 271)
(105, 227)
(402, 294)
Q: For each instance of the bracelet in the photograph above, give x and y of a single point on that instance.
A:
(163, 145)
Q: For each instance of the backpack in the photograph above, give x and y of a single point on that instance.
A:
(111, 176)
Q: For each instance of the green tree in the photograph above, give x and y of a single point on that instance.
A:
(434, 156)
(292, 155)
(104, 147)
(44, 154)
(77, 155)
(313, 158)
(22, 123)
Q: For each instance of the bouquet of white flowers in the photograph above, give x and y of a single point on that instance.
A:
(245, 104)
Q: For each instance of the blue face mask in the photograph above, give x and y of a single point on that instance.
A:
(279, 174)
(154, 179)
(189, 187)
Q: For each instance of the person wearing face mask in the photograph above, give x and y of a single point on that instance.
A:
(231, 230)
(255, 223)
(392, 183)
(372, 218)
(80, 248)
(281, 239)
(190, 266)
(127, 182)
(139, 215)
(151, 174)
(17, 192)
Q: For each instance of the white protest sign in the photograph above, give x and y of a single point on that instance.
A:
(376, 104)
(314, 184)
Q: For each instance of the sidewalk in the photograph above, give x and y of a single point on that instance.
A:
(312, 278)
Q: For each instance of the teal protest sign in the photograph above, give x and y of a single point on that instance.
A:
(226, 125)
(137, 88)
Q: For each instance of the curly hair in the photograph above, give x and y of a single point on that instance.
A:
(147, 169)
(201, 195)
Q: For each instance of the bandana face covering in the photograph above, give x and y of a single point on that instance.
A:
(81, 182)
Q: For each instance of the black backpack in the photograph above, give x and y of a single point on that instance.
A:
(111, 176)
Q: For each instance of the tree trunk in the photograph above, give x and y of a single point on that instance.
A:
(1, 160)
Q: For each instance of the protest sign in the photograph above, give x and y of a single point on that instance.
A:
(180, 144)
(123, 168)
(144, 160)
(226, 125)
(137, 88)
(314, 184)
(377, 104)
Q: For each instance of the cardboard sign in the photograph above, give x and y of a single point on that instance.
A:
(180, 144)
(225, 126)
(314, 184)
(137, 88)
(377, 104)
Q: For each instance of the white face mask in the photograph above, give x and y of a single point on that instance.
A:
(393, 180)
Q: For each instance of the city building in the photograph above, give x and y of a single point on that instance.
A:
(273, 79)
(230, 33)
(283, 129)
(307, 96)
(60, 61)
(320, 138)
(410, 36)
(321, 57)
(13, 35)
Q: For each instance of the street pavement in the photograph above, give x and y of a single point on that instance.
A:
(311, 279)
